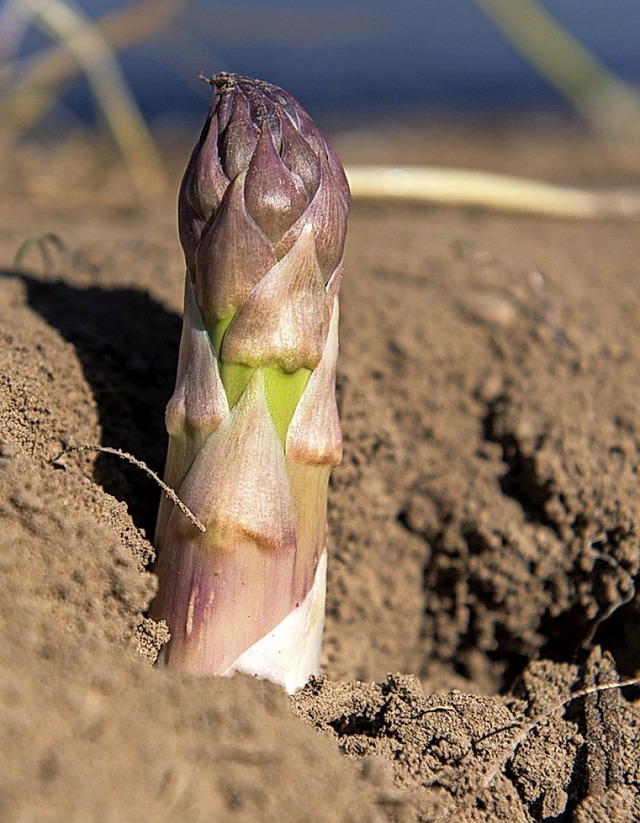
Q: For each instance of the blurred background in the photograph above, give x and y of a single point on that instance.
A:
(123, 67)
(338, 56)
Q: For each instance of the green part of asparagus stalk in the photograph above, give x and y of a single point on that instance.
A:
(253, 424)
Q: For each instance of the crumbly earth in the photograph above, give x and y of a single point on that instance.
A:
(483, 525)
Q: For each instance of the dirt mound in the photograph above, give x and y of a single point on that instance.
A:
(484, 522)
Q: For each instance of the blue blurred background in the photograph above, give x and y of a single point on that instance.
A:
(352, 58)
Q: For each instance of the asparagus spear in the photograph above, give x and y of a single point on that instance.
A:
(253, 424)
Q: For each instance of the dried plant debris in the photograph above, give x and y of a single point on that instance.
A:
(472, 755)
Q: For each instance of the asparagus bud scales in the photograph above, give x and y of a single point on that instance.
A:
(253, 424)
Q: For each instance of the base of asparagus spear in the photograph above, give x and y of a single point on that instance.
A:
(290, 654)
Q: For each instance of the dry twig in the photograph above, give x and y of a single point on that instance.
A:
(171, 494)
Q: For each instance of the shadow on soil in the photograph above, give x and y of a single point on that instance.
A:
(127, 343)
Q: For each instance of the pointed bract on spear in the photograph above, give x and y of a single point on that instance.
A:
(253, 423)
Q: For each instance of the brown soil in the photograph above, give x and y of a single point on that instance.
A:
(484, 522)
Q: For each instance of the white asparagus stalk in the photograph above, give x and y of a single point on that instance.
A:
(253, 422)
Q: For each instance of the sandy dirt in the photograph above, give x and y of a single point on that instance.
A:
(484, 555)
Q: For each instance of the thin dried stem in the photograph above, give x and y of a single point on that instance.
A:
(110, 90)
(510, 752)
(459, 187)
(607, 104)
(34, 80)
(43, 242)
(171, 494)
